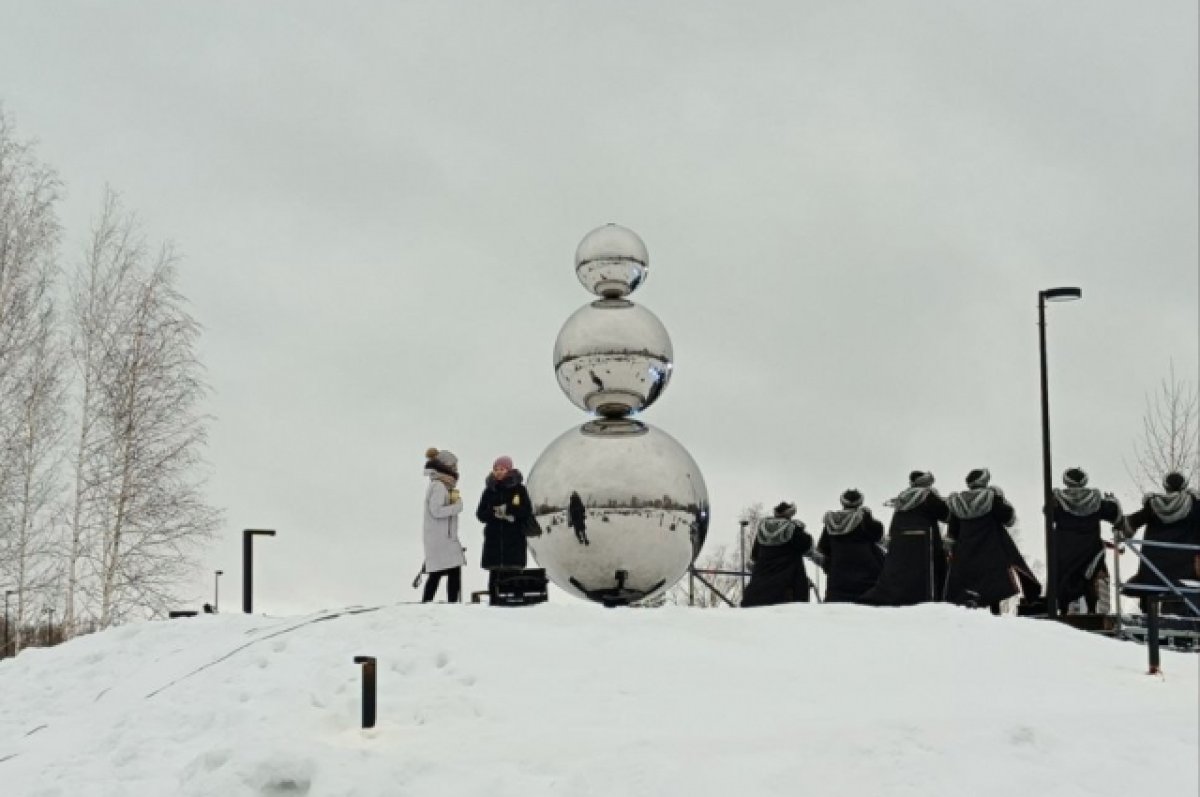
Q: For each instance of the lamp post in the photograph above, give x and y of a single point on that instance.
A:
(217, 590)
(742, 551)
(7, 592)
(1049, 295)
(248, 536)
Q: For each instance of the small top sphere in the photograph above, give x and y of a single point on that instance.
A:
(612, 261)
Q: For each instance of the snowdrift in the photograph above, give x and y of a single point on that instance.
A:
(578, 700)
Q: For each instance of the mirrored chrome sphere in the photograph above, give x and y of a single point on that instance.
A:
(642, 502)
(612, 261)
(613, 357)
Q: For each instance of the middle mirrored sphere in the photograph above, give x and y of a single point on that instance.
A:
(613, 358)
(623, 510)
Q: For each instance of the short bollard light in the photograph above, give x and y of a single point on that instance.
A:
(368, 690)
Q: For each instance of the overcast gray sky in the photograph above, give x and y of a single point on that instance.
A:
(849, 208)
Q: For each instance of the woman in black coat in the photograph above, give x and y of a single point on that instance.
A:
(780, 545)
(1079, 549)
(851, 550)
(914, 570)
(1171, 517)
(504, 509)
(986, 567)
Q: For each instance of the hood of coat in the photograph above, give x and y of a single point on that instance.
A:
(1172, 507)
(844, 521)
(971, 504)
(777, 530)
(1081, 501)
(512, 479)
(910, 498)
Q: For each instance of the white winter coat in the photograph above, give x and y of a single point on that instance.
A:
(442, 548)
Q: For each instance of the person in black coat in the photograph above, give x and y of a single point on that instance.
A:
(778, 574)
(850, 547)
(914, 570)
(504, 509)
(1169, 517)
(577, 518)
(1076, 515)
(986, 567)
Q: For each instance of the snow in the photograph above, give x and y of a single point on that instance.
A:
(578, 700)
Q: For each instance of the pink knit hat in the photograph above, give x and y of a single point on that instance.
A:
(503, 462)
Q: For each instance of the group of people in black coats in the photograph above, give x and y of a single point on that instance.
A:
(976, 563)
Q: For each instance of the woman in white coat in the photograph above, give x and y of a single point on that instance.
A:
(443, 552)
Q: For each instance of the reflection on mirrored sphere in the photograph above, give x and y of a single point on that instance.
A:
(623, 509)
(613, 357)
(612, 261)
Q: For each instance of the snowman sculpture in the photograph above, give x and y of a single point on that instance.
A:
(622, 505)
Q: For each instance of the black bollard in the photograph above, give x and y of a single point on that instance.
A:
(1152, 635)
(248, 536)
(368, 690)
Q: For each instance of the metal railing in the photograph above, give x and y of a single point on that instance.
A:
(1153, 594)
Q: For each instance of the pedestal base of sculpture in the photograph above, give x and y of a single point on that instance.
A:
(519, 588)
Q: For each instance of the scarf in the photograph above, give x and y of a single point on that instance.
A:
(1079, 501)
(444, 478)
(843, 521)
(1172, 507)
(774, 531)
(511, 480)
(974, 503)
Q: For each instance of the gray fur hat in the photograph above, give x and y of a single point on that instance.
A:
(979, 478)
(1075, 477)
(852, 499)
(1175, 482)
(920, 478)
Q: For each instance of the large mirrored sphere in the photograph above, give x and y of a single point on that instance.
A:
(612, 261)
(613, 358)
(640, 511)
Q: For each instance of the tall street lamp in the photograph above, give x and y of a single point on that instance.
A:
(217, 590)
(1049, 295)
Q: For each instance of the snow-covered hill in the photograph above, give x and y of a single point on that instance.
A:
(577, 700)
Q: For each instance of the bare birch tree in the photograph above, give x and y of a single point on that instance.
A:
(99, 293)
(138, 512)
(31, 374)
(1170, 438)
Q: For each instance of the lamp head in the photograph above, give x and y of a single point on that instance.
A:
(1062, 294)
